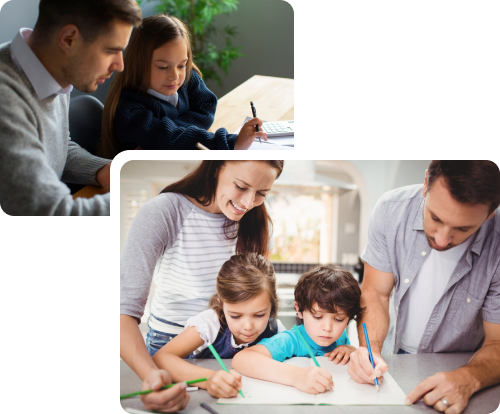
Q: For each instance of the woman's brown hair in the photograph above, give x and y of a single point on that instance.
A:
(241, 278)
(332, 288)
(253, 230)
(154, 32)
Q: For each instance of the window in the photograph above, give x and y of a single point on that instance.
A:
(302, 225)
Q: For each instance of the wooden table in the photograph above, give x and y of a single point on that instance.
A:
(89, 191)
(272, 97)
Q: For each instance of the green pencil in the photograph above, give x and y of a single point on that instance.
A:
(134, 394)
(309, 350)
(217, 357)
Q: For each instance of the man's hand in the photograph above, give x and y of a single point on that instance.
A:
(456, 387)
(341, 354)
(102, 176)
(360, 368)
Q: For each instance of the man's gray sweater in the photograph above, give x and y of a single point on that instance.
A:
(36, 153)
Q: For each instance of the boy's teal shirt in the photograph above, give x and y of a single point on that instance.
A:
(287, 344)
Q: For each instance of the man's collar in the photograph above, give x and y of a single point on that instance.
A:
(481, 234)
(42, 81)
(418, 222)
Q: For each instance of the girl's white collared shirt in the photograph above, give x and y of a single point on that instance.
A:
(208, 325)
(172, 99)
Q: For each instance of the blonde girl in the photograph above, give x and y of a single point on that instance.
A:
(160, 101)
(241, 313)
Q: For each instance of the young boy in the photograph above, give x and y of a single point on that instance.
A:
(326, 299)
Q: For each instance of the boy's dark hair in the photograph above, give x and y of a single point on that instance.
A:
(92, 17)
(331, 288)
(469, 182)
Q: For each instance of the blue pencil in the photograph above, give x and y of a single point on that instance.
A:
(370, 354)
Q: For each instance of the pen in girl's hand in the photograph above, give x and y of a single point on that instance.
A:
(254, 113)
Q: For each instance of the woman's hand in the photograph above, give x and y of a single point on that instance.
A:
(248, 134)
(224, 384)
(313, 380)
(165, 401)
(341, 354)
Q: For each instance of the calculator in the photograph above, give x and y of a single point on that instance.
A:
(278, 129)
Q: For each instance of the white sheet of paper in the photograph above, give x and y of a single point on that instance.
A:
(266, 146)
(289, 141)
(345, 391)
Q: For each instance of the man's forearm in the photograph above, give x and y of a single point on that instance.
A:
(484, 367)
(376, 317)
(133, 349)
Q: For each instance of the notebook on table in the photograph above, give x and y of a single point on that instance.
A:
(345, 391)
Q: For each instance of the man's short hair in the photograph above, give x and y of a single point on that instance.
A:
(469, 182)
(92, 17)
(332, 288)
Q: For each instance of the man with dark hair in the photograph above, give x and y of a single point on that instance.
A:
(438, 247)
(75, 43)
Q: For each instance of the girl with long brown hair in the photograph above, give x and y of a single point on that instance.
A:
(182, 237)
(241, 313)
(160, 101)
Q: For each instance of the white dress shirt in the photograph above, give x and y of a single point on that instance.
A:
(169, 98)
(42, 81)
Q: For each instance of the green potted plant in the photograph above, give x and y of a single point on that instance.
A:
(198, 16)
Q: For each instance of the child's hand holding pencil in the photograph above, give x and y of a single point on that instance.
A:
(248, 134)
(313, 380)
(224, 384)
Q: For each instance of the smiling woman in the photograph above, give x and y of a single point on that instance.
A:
(182, 237)
(237, 190)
